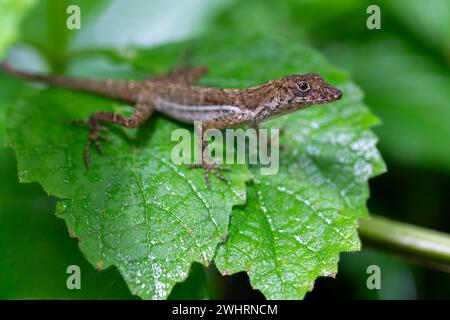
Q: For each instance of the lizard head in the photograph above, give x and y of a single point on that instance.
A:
(291, 93)
(301, 91)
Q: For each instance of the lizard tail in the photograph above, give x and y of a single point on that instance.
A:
(117, 89)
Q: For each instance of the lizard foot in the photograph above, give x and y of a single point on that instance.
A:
(94, 138)
(213, 169)
(85, 123)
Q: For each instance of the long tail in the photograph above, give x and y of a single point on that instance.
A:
(116, 89)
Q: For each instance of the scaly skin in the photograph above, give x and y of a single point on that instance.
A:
(174, 95)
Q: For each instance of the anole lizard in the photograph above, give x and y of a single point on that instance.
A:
(175, 95)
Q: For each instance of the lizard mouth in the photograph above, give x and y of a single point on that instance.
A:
(333, 94)
(338, 95)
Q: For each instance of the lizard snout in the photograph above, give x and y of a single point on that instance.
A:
(333, 93)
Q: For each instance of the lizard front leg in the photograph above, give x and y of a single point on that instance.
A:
(142, 112)
(206, 165)
(210, 168)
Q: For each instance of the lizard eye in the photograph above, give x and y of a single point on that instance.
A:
(303, 86)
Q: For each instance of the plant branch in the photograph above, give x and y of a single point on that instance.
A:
(424, 246)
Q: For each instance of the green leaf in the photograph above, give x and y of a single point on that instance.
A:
(330, 156)
(134, 208)
(297, 222)
(151, 219)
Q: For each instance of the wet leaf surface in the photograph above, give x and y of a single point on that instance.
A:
(150, 218)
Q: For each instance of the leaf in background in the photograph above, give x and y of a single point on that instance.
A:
(46, 27)
(11, 13)
(114, 24)
(300, 20)
(253, 16)
(146, 23)
(10, 90)
(409, 91)
(431, 22)
(318, 14)
(399, 280)
(194, 287)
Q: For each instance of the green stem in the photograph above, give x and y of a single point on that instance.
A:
(425, 246)
(57, 35)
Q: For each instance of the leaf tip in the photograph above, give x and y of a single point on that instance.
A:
(331, 274)
(99, 265)
(226, 272)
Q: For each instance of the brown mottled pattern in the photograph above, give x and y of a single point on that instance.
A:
(174, 95)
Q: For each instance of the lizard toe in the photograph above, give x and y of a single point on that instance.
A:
(213, 169)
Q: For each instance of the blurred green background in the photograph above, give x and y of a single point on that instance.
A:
(403, 68)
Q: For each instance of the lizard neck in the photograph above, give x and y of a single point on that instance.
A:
(257, 97)
(248, 98)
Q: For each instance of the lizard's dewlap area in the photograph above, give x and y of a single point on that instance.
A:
(152, 219)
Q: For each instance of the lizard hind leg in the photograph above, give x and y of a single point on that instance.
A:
(141, 113)
(182, 75)
(183, 72)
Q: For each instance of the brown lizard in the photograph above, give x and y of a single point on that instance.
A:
(175, 95)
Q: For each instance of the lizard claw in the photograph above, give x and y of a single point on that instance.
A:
(94, 139)
(213, 169)
(86, 124)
